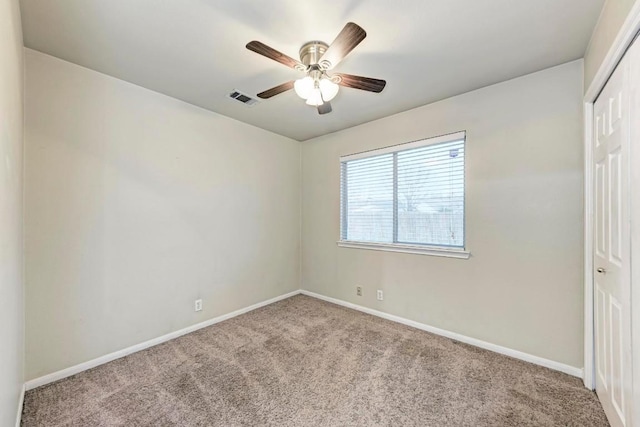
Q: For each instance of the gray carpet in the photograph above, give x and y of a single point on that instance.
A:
(305, 362)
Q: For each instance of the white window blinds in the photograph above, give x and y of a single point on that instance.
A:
(407, 194)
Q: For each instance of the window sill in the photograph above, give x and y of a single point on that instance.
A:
(409, 249)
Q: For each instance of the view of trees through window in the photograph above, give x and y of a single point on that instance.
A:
(413, 196)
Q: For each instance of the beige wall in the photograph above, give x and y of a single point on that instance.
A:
(611, 19)
(136, 205)
(522, 287)
(11, 262)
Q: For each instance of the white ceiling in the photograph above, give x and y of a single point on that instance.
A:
(427, 50)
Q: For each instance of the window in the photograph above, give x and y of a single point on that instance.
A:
(408, 197)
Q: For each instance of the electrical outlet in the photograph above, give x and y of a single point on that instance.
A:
(198, 305)
(380, 295)
(359, 291)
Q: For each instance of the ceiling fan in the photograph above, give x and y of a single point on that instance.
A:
(319, 87)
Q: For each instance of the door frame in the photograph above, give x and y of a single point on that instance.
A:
(620, 45)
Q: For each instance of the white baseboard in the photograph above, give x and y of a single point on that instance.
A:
(20, 405)
(557, 366)
(64, 373)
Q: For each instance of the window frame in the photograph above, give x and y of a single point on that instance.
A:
(423, 249)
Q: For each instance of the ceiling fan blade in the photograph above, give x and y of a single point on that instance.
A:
(271, 53)
(276, 90)
(350, 37)
(359, 82)
(325, 108)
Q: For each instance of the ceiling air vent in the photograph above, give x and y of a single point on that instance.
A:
(242, 97)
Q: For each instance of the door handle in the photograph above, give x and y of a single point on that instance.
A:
(601, 270)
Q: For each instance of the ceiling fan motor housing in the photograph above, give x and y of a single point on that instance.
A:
(311, 52)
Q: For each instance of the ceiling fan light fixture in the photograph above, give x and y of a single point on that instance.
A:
(315, 92)
(315, 98)
(304, 87)
(329, 89)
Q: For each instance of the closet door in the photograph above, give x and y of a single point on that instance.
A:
(612, 257)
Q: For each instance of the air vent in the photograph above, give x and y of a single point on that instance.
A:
(243, 98)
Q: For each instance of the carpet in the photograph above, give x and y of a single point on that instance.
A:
(306, 362)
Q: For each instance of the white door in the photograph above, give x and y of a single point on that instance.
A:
(612, 284)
